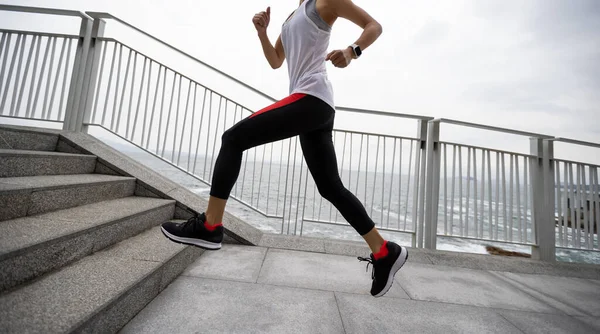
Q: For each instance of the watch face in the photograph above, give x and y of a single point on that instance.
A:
(358, 51)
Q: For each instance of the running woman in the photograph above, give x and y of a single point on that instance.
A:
(309, 113)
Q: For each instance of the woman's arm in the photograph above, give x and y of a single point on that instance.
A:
(275, 55)
(371, 29)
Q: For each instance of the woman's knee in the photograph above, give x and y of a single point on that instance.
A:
(331, 189)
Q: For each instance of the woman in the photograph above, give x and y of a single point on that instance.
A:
(309, 113)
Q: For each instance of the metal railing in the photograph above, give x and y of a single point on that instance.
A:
(415, 184)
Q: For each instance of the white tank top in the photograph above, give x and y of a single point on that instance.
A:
(305, 46)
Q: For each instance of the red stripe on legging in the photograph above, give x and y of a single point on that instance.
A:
(288, 100)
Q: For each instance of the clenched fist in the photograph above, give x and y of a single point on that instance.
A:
(261, 20)
(340, 58)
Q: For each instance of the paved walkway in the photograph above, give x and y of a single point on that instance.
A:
(242, 289)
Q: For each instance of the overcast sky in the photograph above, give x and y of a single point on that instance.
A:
(529, 65)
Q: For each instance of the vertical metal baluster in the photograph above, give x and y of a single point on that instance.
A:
(137, 108)
(175, 130)
(285, 189)
(5, 45)
(189, 159)
(510, 199)
(64, 91)
(41, 78)
(475, 198)
(187, 108)
(565, 209)
(200, 132)
(518, 181)
(445, 190)
(48, 81)
(366, 170)
(525, 186)
(383, 183)
(349, 164)
(375, 175)
(482, 199)
(410, 156)
(116, 98)
(304, 205)
(212, 158)
(208, 142)
(299, 190)
(584, 197)
(130, 109)
(504, 212)
(460, 190)
(400, 184)
(112, 67)
(28, 110)
(452, 191)
(468, 192)
(269, 182)
(27, 65)
(497, 195)
(579, 204)
(60, 60)
(118, 120)
(362, 136)
(162, 106)
(18, 75)
(597, 206)
(490, 222)
(104, 47)
(160, 69)
(559, 201)
(254, 176)
(175, 75)
(279, 180)
(292, 185)
(572, 203)
(12, 66)
(391, 184)
(146, 104)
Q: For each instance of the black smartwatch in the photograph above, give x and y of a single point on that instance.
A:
(357, 50)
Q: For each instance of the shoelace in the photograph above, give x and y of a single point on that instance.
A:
(369, 261)
(192, 220)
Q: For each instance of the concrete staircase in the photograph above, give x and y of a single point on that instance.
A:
(79, 250)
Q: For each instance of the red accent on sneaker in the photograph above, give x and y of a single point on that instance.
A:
(212, 227)
(383, 252)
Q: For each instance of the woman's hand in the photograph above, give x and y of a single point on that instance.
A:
(340, 58)
(261, 20)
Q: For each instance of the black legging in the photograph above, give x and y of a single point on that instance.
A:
(311, 119)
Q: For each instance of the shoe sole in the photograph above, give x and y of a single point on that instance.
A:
(397, 265)
(191, 241)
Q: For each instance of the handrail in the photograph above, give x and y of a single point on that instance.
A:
(492, 128)
(104, 15)
(42, 10)
(576, 142)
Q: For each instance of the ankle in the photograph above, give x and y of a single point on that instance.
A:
(382, 252)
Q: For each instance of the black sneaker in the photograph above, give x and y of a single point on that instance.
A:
(194, 232)
(385, 268)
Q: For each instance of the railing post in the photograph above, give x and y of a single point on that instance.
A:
(418, 209)
(77, 78)
(432, 184)
(542, 171)
(90, 76)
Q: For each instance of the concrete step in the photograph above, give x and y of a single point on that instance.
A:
(31, 195)
(99, 293)
(32, 246)
(15, 163)
(25, 138)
